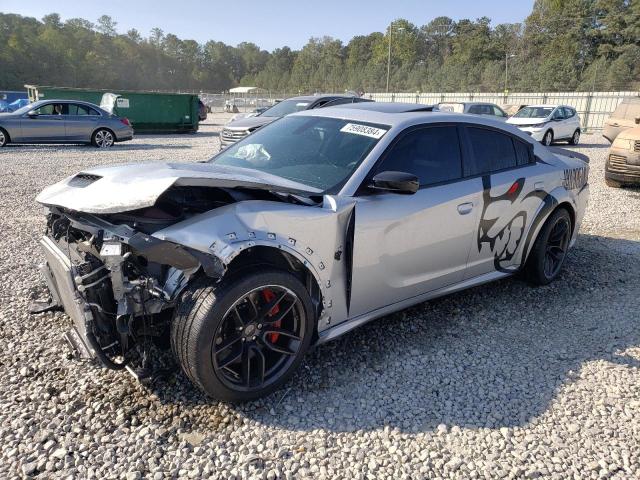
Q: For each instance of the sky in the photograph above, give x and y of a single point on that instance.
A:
(269, 23)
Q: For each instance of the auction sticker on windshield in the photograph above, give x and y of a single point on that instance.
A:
(365, 130)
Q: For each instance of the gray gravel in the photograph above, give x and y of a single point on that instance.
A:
(501, 381)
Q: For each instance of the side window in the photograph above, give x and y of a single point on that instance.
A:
(569, 112)
(523, 153)
(54, 109)
(491, 151)
(430, 153)
(75, 109)
(475, 109)
(45, 109)
(497, 112)
(558, 114)
(92, 111)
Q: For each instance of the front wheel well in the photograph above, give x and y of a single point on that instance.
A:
(6, 134)
(259, 257)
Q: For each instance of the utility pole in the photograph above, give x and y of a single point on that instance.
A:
(389, 54)
(507, 56)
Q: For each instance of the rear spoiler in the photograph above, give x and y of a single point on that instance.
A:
(569, 153)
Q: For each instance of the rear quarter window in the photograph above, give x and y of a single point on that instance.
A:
(492, 151)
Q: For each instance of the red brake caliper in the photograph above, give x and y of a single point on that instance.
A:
(268, 296)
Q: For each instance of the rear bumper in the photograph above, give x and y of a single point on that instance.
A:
(59, 275)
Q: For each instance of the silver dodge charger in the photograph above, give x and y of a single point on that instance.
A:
(300, 232)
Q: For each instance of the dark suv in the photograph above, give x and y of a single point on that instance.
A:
(242, 127)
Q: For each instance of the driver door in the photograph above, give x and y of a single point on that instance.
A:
(45, 126)
(407, 245)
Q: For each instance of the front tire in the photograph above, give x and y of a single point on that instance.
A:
(547, 140)
(575, 138)
(4, 137)
(103, 138)
(242, 339)
(550, 249)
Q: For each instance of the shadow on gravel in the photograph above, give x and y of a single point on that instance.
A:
(492, 356)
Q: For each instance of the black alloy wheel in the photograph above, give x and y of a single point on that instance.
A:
(557, 246)
(258, 338)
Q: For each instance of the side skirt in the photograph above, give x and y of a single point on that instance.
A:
(347, 326)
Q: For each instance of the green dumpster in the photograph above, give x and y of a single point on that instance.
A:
(148, 112)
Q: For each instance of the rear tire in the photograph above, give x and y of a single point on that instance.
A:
(575, 138)
(4, 137)
(550, 249)
(103, 138)
(612, 183)
(230, 343)
(547, 140)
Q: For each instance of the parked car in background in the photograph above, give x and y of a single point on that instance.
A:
(626, 115)
(234, 131)
(474, 108)
(63, 121)
(623, 162)
(202, 111)
(300, 232)
(549, 123)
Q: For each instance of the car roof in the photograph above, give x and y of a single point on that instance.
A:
(404, 119)
(313, 98)
(388, 107)
(64, 100)
(467, 103)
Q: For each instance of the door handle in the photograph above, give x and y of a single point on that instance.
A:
(465, 208)
(539, 186)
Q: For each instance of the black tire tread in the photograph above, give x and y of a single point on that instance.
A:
(193, 312)
(533, 271)
(612, 183)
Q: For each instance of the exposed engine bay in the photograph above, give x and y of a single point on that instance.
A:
(125, 283)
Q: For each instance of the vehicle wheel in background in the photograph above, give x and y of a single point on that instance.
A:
(242, 339)
(612, 183)
(575, 138)
(548, 138)
(102, 138)
(550, 249)
(4, 138)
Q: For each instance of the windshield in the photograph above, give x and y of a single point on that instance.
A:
(24, 109)
(534, 112)
(285, 108)
(315, 151)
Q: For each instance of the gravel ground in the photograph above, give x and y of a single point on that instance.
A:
(501, 381)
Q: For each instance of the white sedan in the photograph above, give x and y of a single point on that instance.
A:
(548, 123)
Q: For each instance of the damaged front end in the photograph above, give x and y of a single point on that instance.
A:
(117, 283)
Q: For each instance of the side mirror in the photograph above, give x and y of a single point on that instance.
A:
(637, 120)
(32, 113)
(397, 182)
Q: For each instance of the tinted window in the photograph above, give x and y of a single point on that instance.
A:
(432, 154)
(491, 151)
(75, 109)
(498, 112)
(558, 114)
(523, 155)
(569, 112)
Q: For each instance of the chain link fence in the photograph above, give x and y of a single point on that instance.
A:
(594, 107)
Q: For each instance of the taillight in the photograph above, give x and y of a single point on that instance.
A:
(126, 121)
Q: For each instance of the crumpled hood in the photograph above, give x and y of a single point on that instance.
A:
(527, 120)
(249, 122)
(130, 187)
